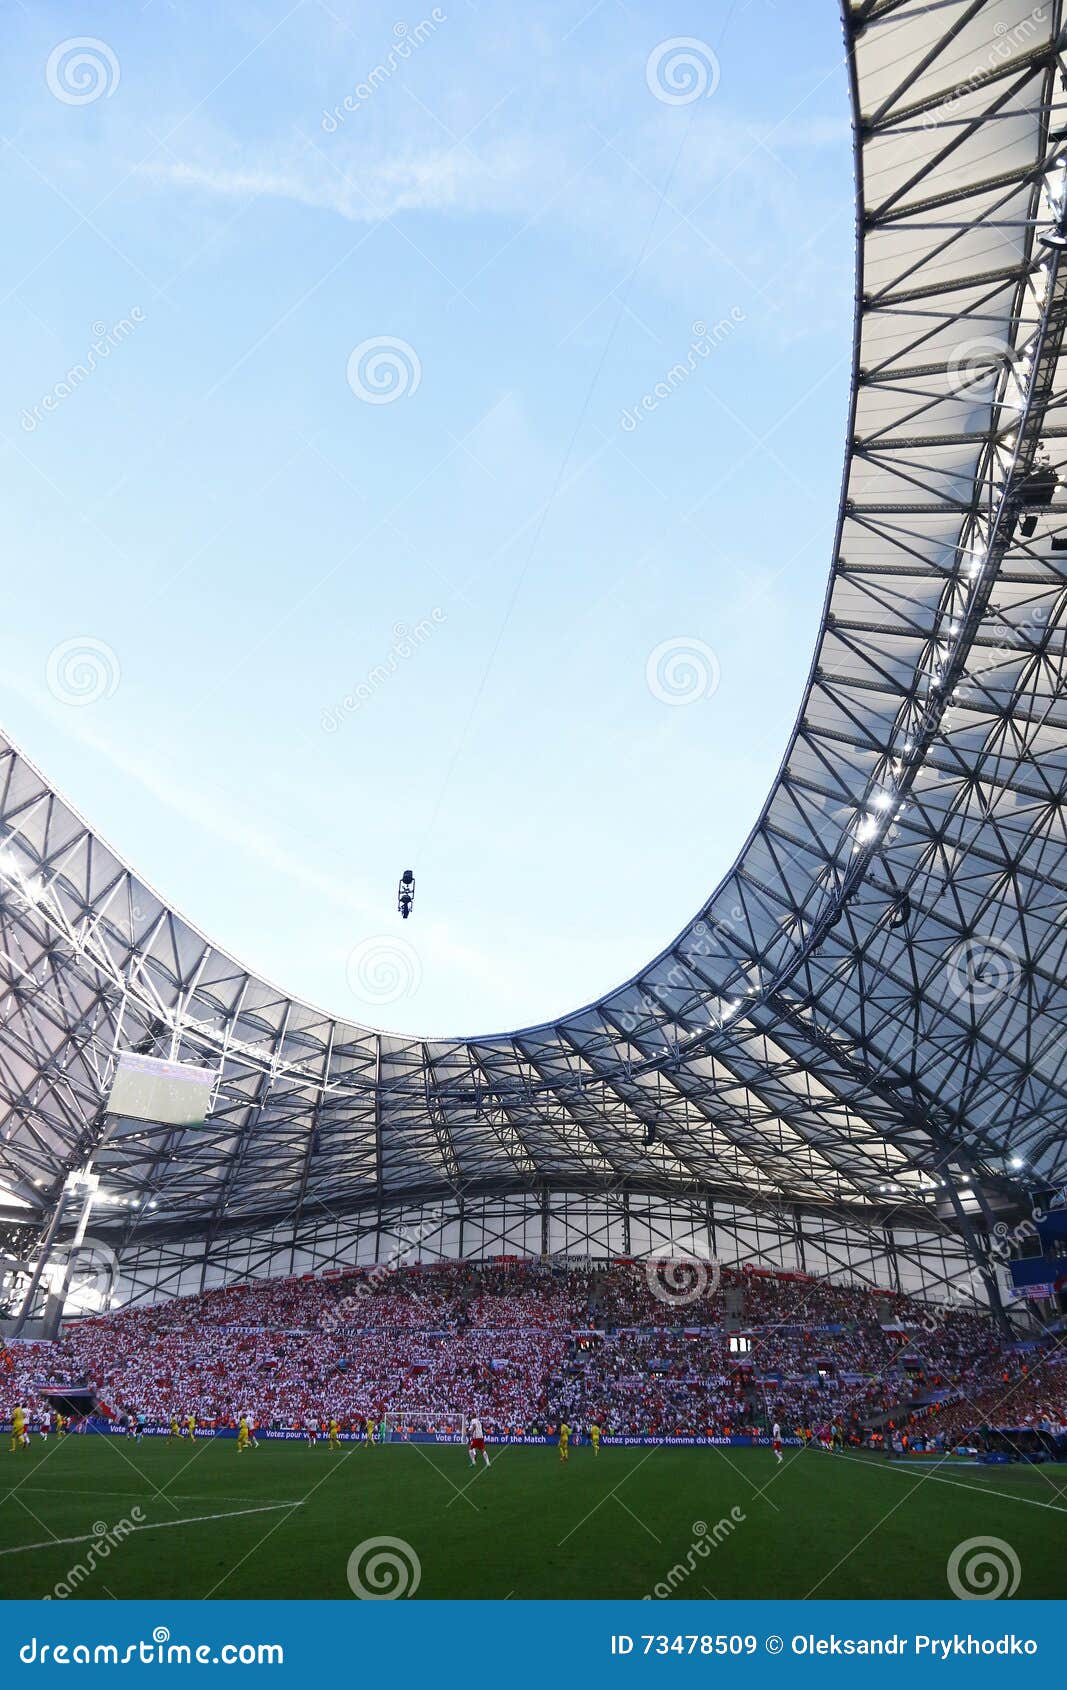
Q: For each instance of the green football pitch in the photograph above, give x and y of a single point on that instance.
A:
(286, 1521)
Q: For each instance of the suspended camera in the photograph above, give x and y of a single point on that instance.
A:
(1036, 492)
(405, 893)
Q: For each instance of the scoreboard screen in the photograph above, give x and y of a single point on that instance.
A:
(146, 1088)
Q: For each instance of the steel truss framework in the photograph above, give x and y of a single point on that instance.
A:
(594, 1226)
(869, 1010)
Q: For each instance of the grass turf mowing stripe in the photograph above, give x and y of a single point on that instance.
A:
(158, 1526)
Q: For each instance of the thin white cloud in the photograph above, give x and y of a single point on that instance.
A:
(730, 175)
(504, 179)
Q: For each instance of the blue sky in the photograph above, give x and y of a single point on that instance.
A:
(498, 598)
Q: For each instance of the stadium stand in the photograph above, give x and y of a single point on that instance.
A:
(525, 1345)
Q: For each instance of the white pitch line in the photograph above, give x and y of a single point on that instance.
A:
(158, 1526)
(975, 1490)
(145, 1495)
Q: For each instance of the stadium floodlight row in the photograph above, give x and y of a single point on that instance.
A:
(854, 1056)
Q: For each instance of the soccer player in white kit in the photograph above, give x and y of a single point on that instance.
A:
(476, 1442)
(776, 1441)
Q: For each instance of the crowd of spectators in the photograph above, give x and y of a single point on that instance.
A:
(1026, 1393)
(639, 1348)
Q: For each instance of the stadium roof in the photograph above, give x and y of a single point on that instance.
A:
(873, 999)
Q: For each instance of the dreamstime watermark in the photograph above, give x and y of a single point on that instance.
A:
(104, 342)
(976, 365)
(406, 642)
(105, 1538)
(983, 1569)
(705, 1539)
(705, 341)
(706, 941)
(1027, 636)
(682, 670)
(383, 369)
(981, 969)
(347, 1310)
(82, 70)
(1009, 38)
(383, 1569)
(969, 1293)
(407, 39)
(681, 1280)
(682, 70)
(383, 969)
(85, 1274)
(82, 671)
(156, 1651)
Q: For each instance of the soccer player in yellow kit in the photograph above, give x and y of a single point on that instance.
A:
(564, 1441)
(61, 1426)
(18, 1427)
(371, 1438)
(242, 1434)
(594, 1437)
(335, 1438)
(190, 1427)
(175, 1433)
